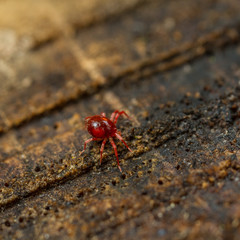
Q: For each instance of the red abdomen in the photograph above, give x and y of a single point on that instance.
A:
(100, 127)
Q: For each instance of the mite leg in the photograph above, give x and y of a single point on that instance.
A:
(113, 115)
(121, 139)
(118, 114)
(102, 147)
(86, 142)
(116, 153)
(103, 114)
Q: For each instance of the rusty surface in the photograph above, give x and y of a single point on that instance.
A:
(174, 66)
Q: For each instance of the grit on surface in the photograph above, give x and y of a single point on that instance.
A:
(173, 66)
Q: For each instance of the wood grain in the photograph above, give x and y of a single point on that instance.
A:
(173, 66)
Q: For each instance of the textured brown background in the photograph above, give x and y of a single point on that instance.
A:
(174, 66)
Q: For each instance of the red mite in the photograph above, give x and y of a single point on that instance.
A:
(103, 128)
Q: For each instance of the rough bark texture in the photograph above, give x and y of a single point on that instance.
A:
(174, 66)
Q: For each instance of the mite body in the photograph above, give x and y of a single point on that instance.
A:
(102, 129)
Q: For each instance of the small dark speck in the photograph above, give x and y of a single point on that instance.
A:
(80, 194)
(7, 224)
(178, 167)
(144, 192)
(37, 169)
(123, 176)
(160, 182)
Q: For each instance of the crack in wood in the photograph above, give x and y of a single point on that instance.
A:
(187, 52)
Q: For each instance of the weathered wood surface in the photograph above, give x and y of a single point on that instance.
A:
(173, 65)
